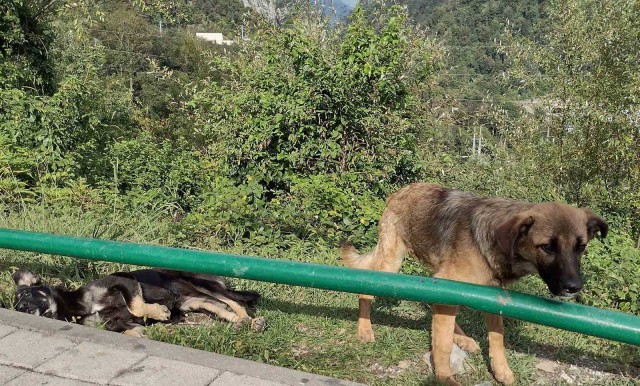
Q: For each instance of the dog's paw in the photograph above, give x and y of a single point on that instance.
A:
(466, 343)
(258, 324)
(366, 335)
(136, 332)
(503, 374)
(241, 322)
(163, 313)
(448, 380)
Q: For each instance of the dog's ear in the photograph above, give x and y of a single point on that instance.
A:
(510, 231)
(595, 224)
(25, 278)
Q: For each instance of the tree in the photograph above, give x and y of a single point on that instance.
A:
(308, 119)
(334, 104)
(587, 131)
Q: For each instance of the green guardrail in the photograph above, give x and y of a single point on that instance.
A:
(607, 324)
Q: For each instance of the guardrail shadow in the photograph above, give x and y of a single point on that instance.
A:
(472, 323)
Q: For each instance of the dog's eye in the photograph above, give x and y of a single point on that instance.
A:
(580, 248)
(547, 248)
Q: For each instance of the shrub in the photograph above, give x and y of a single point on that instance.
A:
(335, 104)
(163, 171)
(612, 272)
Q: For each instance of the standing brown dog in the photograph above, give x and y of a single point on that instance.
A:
(488, 241)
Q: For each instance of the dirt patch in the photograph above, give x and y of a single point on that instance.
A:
(382, 371)
(551, 373)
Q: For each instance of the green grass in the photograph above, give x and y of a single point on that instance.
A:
(309, 329)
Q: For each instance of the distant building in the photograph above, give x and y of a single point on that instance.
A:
(215, 37)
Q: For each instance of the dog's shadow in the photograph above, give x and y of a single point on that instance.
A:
(380, 312)
(472, 323)
(570, 354)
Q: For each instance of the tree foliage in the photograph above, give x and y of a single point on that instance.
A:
(332, 105)
(329, 121)
(585, 73)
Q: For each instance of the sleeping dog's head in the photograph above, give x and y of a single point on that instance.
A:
(32, 297)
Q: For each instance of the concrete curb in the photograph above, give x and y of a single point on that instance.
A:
(79, 334)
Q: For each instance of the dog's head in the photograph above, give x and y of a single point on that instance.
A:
(32, 297)
(552, 237)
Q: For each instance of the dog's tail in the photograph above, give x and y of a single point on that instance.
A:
(352, 258)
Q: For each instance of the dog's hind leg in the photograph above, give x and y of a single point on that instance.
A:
(237, 308)
(465, 342)
(138, 308)
(387, 257)
(201, 304)
(135, 330)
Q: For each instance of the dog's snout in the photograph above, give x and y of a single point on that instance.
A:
(26, 308)
(572, 287)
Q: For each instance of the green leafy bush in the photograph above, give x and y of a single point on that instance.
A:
(612, 272)
(229, 212)
(316, 139)
(326, 207)
(334, 104)
(163, 171)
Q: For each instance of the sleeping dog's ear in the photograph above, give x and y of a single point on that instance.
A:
(25, 278)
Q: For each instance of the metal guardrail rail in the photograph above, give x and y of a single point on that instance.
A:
(607, 324)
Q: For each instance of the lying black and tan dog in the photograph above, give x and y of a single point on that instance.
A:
(127, 301)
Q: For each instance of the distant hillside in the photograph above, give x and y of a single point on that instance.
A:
(470, 30)
(338, 8)
(471, 27)
(267, 8)
(274, 9)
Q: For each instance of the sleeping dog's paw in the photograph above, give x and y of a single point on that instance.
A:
(136, 332)
(158, 312)
(166, 313)
(242, 322)
(258, 324)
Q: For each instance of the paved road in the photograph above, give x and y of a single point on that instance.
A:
(38, 351)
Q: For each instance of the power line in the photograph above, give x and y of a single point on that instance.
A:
(474, 46)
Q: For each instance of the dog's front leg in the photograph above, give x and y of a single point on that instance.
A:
(499, 364)
(442, 329)
(365, 330)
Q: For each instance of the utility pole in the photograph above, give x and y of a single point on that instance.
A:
(242, 26)
(473, 147)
